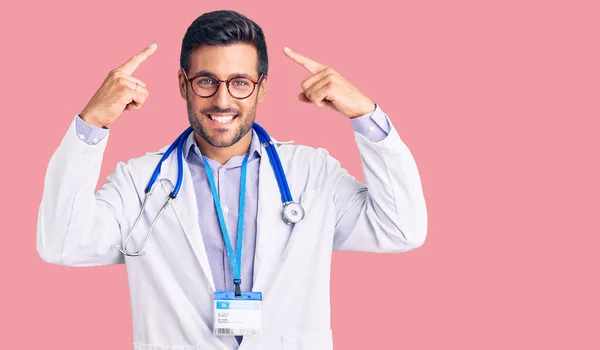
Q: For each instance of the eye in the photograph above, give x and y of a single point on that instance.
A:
(240, 82)
(205, 81)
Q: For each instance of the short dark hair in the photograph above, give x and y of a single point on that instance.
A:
(224, 27)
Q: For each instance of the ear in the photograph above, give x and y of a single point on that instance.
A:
(263, 89)
(182, 83)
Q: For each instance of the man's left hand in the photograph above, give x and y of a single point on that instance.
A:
(326, 87)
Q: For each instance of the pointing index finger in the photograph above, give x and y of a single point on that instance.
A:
(306, 62)
(130, 66)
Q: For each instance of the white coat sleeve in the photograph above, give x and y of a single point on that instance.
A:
(387, 214)
(76, 225)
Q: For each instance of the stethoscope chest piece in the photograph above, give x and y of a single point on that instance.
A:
(292, 213)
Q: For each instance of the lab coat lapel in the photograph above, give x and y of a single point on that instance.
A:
(186, 210)
(269, 211)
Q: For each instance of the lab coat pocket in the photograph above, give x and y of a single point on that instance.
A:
(319, 340)
(298, 239)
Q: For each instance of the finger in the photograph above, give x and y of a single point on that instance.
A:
(318, 95)
(306, 62)
(312, 93)
(328, 81)
(130, 78)
(313, 79)
(131, 86)
(137, 101)
(136, 97)
(302, 97)
(130, 66)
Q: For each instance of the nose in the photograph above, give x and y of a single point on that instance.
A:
(222, 96)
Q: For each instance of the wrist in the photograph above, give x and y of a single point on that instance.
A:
(368, 108)
(90, 119)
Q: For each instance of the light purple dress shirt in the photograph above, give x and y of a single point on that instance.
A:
(375, 126)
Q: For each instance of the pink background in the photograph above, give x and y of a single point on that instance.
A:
(498, 101)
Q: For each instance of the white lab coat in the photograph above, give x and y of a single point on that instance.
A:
(171, 286)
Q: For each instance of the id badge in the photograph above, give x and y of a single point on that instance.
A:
(237, 316)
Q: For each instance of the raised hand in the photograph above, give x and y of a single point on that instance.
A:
(326, 87)
(120, 91)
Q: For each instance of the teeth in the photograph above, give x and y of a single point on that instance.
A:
(219, 119)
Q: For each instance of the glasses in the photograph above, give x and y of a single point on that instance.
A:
(238, 87)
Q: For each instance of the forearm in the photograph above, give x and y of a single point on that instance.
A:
(388, 212)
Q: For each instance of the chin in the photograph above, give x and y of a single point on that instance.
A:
(221, 142)
(221, 131)
(220, 137)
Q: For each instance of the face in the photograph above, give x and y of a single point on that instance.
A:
(211, 117)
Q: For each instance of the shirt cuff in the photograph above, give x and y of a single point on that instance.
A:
(88, 133)
(375, 126)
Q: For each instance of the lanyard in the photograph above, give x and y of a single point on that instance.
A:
(236, 260)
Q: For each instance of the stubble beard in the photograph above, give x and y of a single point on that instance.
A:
(221, 138)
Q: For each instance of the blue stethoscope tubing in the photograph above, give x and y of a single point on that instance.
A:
(292, 212)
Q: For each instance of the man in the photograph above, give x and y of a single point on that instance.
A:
(182, 281)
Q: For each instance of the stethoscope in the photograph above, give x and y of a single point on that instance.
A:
(292, 212)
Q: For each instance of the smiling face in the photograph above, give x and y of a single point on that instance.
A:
(222, 120)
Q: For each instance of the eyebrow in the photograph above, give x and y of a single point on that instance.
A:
(212, 75)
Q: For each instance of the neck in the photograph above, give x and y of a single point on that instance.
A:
(223, 154)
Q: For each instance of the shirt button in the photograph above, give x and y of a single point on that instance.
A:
(95, 141)
(226, 209)
(371, 128)
(81, 136)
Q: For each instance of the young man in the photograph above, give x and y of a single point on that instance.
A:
(221, 261)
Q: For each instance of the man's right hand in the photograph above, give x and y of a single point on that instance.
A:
(120, 91)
